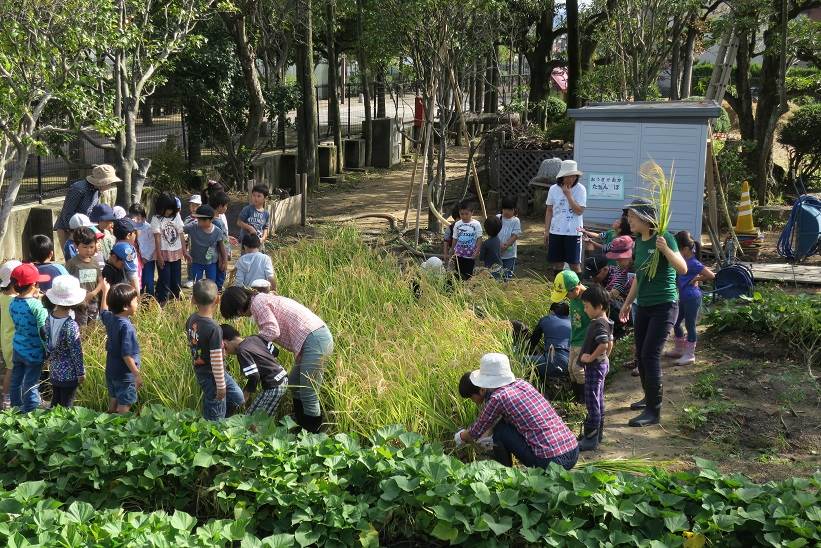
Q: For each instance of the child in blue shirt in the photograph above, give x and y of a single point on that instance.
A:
(555, 330)
(254, 218)
(220, 202)
(689, 300)
(253, 265)
(122, 362)
(29, 317)
(205, 245)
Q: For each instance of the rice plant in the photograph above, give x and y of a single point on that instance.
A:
(397, 359)
(660, 194)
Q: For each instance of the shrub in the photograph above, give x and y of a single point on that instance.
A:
(169, 170)
(563, 130)
(801, 136)
(555, 109)
(345, 491)
(723, 124)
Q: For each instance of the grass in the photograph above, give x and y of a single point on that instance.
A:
(705, 387)
(396, 360)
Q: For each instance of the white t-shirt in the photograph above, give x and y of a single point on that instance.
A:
(170, 231)
(509, 228)
(145, 240)
(565, 222)
(467, 236)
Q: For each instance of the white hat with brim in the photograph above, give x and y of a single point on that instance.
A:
(569, 167)
(103, 175)
(261, 284)
(5, 272)
(79, 220)
(66, 291)
(494, 372)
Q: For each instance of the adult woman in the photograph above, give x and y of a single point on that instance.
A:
(565, 203)
(82, 196)
(657, 307)
(291, 325)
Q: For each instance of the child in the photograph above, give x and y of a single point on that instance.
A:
(490, 253)
(146, 247)
(254, 218)
(122, 361)
(509, 235)
(78, 220)
(689, 299)
(85, 268)
(555, 330)
(258, 362)
(205, 244)
(41, 251)
(253, 265)
(126, 233)
(65, 354)
(194, 202)
(598, 343)
(114, 269)
(447, 245)
(220, 203)
(168, 233)
(523, 421)
(567, 286)
(7, 293)
(29, 317)
(298, 330)
(620, 227)
(103, 216)
(221, 395)
(467, 238)
(119, 212)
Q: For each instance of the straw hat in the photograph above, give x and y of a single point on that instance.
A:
(494, 372)
(103, 176)
(569, 167)
(66, 291)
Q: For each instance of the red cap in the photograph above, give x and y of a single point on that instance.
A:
(27, 274)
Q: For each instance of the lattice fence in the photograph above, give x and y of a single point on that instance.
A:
(517, 167)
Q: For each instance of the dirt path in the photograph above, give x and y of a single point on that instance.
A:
(386, 192)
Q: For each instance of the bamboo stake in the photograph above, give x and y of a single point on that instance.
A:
(428, 131)
(410, 188)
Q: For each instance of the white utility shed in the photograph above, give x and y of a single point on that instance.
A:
(613, 139)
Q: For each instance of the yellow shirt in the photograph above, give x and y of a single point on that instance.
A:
(6, 329)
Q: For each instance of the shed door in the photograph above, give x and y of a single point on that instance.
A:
(683, 147)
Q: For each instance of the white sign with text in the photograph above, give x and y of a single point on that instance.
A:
(605, 186)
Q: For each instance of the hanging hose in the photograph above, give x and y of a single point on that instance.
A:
(786, 239)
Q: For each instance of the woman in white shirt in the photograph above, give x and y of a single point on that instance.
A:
(566, 201)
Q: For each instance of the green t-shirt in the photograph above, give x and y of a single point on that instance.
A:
(662, 288)
(579, 321)
(606, 238)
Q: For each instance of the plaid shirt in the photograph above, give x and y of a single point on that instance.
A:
(283, 321)
(524, 408)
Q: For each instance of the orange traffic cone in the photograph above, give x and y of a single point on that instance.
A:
(744, 222)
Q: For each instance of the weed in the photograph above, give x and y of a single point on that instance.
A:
(705, 386)
(695, 417)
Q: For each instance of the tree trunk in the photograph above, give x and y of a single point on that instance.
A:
(139, 177)
(380, 93)
(365, 80)
(687, 64)
(540, 69)
(334, 120)
(307, 156)
(17, 171)
(125, 153)
(492, 86)
(743, 102)
(574, 65)
(479, 90)
(675, 59)
(247, 60)
(147, 112)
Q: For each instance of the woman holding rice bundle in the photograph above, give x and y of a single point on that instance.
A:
(655, 294)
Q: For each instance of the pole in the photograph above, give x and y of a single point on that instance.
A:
(410, 188)
(428, 131)
(39, 179)
(349, 117)
(304, 190)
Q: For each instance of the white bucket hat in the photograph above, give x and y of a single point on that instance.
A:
(119, 212)
(195, 199)
(434, 264)
(66, 291)
(569, 167)
(79, 220)
(494, 372)
(5, 273)
(103, 175)
(265, 285)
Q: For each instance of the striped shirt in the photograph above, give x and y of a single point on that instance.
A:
(81, 197)
(283, 321)
(524, 408)
(617, 279)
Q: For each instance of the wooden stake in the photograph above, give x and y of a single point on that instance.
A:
(410, 188)
(304, 187)
(428, 132)
(478, 188)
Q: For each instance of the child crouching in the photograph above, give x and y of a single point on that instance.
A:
(258, 362)
(221, 395)
(598, 343)
(65, 353)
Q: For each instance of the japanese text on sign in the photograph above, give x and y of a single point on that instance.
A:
(605, 186)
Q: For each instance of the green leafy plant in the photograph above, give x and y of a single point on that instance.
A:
(800, 136)
(695, 417)
(705, 386)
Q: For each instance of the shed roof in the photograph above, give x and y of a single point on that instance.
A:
(647, 109)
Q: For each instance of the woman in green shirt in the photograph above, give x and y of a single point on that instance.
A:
(656, 300)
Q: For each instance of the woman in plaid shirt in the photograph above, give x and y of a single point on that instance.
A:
(296, 329)
(523, 421)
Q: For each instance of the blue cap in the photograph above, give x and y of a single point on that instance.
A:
(101, 212)
(124, 251)
(124, 225)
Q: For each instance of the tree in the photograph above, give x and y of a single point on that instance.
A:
(307, 118)
(574, 62)
(149, 34)
(334, 120)
(48, 71)
(800, 136)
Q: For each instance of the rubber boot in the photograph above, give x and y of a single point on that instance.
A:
(679, 346)
(651, 413)
(689, 355)
(578, 392)
(312, 424)
(590, 440)
(641, 404)
(299, 414)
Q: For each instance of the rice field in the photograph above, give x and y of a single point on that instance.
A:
(397, 360)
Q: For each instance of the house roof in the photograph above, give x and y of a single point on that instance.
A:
(647, 109)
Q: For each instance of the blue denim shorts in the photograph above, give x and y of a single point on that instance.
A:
(125, 392)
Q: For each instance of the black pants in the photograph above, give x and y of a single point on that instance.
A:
(508, 441)
(63, 395)
(465, 267)
(653, 324)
